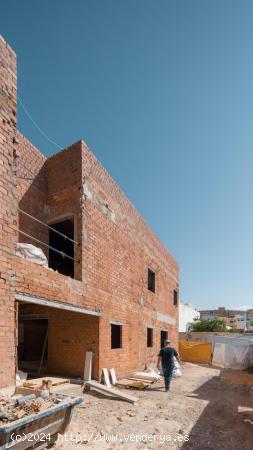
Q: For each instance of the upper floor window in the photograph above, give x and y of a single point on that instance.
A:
(175, 297)
(151, 280)
(149, 337)
(116, 336)
(60, 246)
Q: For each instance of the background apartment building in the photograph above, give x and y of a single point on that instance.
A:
(240, 319)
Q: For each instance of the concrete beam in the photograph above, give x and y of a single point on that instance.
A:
(21, 297)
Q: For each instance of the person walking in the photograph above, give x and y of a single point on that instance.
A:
(165, 357)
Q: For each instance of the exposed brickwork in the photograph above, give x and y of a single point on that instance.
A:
(67, 344)
(64, 175)
(31, 190)
(117, 247)
(117, 252)
(7, 212)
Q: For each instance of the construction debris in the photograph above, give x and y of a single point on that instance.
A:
(141, 379)
(44, 383)
(20, 377)
(13, 409)
(106, 377)
(126, 383)
(109, 390)
(248, 421)
(88, 366)
(136, 384)
(146, 376)
(113, 376)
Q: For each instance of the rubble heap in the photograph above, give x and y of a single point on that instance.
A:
(11, 410)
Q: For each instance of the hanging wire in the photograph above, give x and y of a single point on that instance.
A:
(37, 126)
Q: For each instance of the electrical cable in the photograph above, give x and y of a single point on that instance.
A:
(36, 125)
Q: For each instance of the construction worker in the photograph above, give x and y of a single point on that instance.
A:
(165, 357)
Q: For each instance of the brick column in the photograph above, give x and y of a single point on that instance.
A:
(8, 84)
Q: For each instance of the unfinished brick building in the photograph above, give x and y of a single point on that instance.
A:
(116, 290)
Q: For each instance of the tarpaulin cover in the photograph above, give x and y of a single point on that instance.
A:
(233, 355)
(199, 352)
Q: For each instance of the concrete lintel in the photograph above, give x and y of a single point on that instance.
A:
(114, 322)
(165, 318)
(54, 304)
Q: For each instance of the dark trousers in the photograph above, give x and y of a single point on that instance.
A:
(167, 373)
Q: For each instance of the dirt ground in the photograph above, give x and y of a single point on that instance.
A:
(199, 413)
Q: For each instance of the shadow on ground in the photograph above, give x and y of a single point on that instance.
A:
(220, 426)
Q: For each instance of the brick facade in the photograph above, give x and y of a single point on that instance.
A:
(8, 84)
(116, 249)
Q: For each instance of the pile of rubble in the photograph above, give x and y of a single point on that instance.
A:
(16, 408)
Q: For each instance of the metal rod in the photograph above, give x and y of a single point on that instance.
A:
(48, 226)
(49, 246)
(43, 351)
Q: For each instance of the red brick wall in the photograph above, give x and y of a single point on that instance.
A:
(8, 217)
(31, 191)
(67, 345)
(118, 249)
(48, 189)
(64, 177)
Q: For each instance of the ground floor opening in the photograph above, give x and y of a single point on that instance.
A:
(54, 341)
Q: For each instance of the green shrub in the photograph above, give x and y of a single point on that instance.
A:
(208, 325)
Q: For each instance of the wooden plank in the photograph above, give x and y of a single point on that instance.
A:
(25, 391)
(36, 382)
(123, 382)
(43, 350)
(140, 379)
(106, 377)
(132, 384)
(111, 391)
(88, 366)
(113, 376)
(145, 376)
(243, 409)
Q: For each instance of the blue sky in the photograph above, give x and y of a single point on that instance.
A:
(162, 92)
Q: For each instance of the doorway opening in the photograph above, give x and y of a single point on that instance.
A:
(55, 341)
(56, 261)
(164, 336)
(32, 344)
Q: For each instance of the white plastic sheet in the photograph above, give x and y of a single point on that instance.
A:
(31, 253)
(233, 355)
